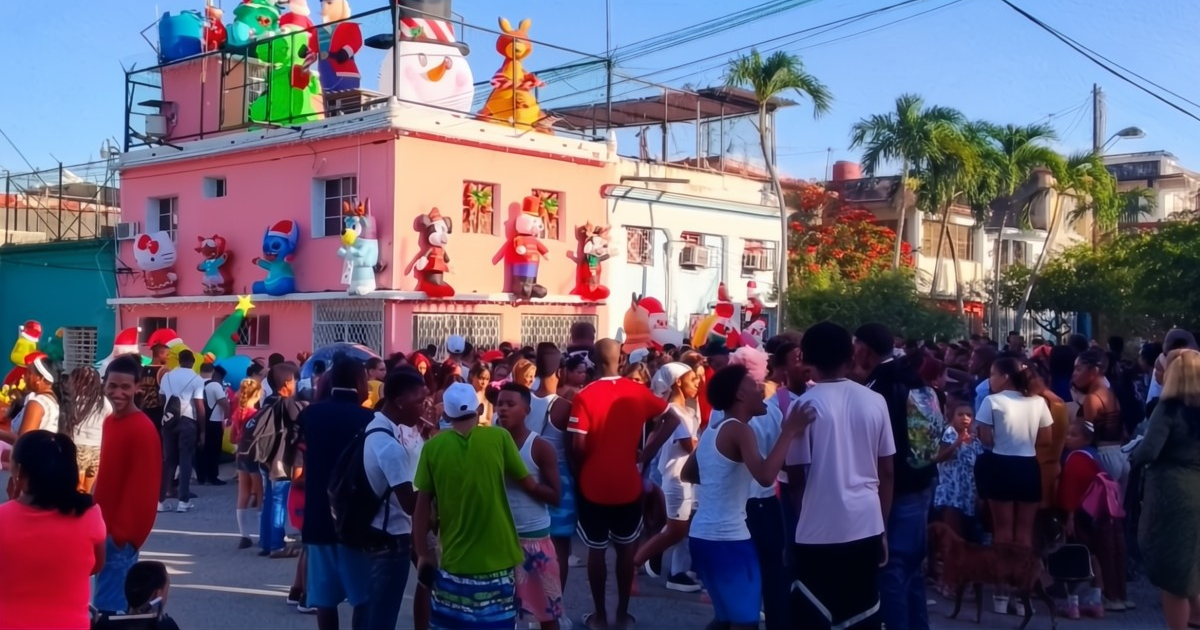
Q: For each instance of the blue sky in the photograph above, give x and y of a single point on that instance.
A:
(976, 55)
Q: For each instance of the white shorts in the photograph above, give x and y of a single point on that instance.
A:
(680, 498)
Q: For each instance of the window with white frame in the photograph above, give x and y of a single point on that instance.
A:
(147, 326)
(328, 196)
(757, 256)
(639, 246)
(254, 331)
(163, 215)
(79, 347)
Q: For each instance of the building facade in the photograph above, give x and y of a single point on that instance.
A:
(1175, 188)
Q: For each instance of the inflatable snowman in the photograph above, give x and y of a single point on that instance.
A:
(433, 64)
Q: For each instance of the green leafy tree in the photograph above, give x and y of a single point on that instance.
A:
(888, 297)
(769, 78)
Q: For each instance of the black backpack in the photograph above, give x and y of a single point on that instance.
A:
(265, 433)
(352, 501)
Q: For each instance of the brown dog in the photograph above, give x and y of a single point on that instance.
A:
(1000, 564)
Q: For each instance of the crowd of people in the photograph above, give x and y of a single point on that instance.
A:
(792, 486)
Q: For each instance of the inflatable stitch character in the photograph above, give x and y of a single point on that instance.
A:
(512, 100)
(594, 249)
(360, 248)
(433, 262)
(279, 249)
(217, 280)
(527, 251)
(155, 255)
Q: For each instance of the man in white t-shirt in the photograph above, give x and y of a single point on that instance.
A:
(841, 473)
(216, 408)
(181, 433)
(390, 459)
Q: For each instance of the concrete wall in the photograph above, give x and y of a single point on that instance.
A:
(58, 284)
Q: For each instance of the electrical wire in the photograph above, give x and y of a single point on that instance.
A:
(791, 38)
(1106, 64)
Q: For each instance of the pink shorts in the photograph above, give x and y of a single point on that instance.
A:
(539, 592)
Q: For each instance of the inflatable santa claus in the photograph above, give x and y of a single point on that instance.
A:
(125, 343)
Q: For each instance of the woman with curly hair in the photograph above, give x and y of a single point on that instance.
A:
(250, 490)
(83, 421)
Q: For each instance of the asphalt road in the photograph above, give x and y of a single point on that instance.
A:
(214, 585)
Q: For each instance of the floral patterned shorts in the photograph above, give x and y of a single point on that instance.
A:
(88, 459)
(539, 592)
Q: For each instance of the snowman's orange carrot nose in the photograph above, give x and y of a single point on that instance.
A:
(436, 73)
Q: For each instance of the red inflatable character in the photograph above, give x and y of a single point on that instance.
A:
(214, 35)
(754, 305)
(594, 249)
(725, 327)
(526, 251)
(433, 262)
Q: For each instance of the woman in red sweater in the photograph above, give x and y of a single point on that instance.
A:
(1102, 532)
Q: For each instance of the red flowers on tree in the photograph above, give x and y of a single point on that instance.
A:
(849, 245)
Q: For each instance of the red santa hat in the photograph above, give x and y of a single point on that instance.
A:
(752, 289)
(722, 293)
(126, 341)
(283, 229)
(162, 336)
(651, 306)
(31, 330)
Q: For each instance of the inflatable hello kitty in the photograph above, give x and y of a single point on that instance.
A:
(155, 255)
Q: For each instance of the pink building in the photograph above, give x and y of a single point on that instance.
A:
(206, 173)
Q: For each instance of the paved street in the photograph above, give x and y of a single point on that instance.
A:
(216, 586)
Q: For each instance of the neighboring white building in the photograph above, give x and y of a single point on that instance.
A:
(680, 232)
(1175, 187)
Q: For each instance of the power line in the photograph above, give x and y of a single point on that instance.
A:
(792, 38)
(1099, 61)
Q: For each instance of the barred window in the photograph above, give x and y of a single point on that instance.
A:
(639, 246)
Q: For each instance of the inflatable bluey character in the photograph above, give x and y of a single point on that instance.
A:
(279, 250)
(360, 248)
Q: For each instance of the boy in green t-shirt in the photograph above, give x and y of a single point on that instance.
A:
(475, 585)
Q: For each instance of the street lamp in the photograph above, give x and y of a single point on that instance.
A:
(1128, 133)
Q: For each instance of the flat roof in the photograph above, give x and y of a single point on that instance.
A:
(670, 106)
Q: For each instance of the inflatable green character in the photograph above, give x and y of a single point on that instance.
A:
(293, 93)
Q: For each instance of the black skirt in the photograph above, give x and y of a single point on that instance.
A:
(1008, 478)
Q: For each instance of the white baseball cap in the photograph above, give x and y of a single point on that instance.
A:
(459, 402)
(456, 344)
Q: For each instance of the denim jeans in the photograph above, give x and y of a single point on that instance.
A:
(274, 513)
(764, 517)
(108, 591)
(389, 576)
(901, 585)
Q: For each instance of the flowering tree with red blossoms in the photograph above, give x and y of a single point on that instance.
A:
(849, 245)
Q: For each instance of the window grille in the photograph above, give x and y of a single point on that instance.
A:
(555, 329)
(349, 321)
(481, 329)
(79, 347)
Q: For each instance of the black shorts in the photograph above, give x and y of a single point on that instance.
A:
(598, 524)
(1008, 478)
(836, 584)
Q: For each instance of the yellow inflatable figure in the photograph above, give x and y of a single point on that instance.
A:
(512, 100)
(27, 343)
(175, 345)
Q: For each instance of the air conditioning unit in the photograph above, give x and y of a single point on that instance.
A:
(756, 261)
(694, 257)
(156, 126)
(128, 231)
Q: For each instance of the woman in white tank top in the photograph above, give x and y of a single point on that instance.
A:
(41, 404)
(726, 459)
(680, 385)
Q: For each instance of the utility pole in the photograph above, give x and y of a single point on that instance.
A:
(1099, 119)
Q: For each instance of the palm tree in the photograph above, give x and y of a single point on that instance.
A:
(769, 78)
(957, 168)
(1019, 150)
(907, 134)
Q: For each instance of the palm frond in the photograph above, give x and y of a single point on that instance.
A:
(775, 75)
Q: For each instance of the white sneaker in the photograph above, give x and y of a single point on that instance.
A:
(575, 561)
(163, 506)
(184, 506)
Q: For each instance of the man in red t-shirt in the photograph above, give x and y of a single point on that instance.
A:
(127, 483)
(607, 420)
